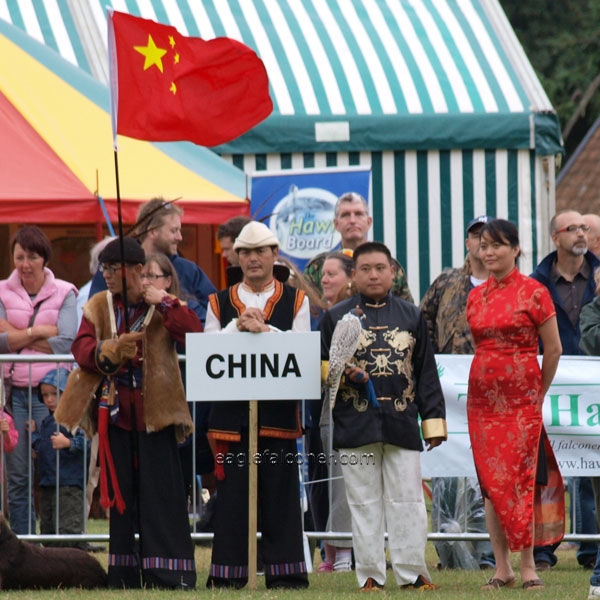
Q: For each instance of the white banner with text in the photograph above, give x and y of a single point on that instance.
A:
(571, 417)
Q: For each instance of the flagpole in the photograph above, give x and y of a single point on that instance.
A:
(121, 243)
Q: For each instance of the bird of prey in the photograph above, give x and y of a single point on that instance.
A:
(344, 342)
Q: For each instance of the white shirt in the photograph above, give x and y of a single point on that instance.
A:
(252, 299)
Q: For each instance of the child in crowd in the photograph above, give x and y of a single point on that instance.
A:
(10, 435)
(72, 471)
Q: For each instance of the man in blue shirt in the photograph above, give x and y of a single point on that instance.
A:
(158, 229)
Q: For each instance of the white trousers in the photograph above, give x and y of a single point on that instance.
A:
(383, 486)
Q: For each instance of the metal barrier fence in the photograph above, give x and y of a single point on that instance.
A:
(195, 502)
(55, 361)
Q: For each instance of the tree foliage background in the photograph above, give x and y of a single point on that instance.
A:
(562, 42)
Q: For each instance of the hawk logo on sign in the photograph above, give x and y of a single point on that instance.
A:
(251, 366)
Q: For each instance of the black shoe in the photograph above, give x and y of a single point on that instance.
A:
(371, 586)
(588, 564)
(542, 565)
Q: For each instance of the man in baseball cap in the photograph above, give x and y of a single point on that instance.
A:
(444, 306)
(480, 221)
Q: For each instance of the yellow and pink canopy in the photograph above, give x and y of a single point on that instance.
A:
(56, 151)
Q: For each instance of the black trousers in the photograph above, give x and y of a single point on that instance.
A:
(279, 517)
(151, 482)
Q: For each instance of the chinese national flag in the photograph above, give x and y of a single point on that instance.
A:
(169, 87)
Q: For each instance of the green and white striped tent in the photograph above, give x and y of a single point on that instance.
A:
(436, 96)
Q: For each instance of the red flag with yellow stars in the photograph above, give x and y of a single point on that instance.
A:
(169, 87)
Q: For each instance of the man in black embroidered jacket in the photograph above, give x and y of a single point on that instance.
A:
(378, 432)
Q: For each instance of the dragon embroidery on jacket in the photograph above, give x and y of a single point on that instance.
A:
(394, 357)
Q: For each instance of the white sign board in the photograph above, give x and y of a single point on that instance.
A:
(253, 366)
(571, 414)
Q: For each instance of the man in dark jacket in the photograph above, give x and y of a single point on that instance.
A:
(568, 273)
(387, 426)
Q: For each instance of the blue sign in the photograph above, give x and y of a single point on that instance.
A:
(298, 206)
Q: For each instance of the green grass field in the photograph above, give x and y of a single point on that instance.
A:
(565, 581)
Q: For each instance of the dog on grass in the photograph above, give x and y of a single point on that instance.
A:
(27, 566)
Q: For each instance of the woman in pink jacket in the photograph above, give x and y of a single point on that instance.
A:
(38, 316)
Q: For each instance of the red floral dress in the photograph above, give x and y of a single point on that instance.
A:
(504, 408)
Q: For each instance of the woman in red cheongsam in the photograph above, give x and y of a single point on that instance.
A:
(517, 471)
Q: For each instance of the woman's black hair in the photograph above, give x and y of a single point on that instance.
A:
(502, 231)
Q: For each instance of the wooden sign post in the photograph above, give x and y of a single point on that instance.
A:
(256, 367)
(252, 494)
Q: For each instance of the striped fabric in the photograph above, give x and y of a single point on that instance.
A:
(51, 23)
(169, 564)
(122, 560)
(437, 97)
(285, 568)
(228, 571)
(356, 74)
(423, 200)
(340, 69)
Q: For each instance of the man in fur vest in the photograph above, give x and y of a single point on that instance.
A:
(129, 384)
(258, 304)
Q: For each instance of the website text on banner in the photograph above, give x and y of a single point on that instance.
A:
(571, 418)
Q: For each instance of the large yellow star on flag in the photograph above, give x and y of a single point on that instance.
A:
(152, 53)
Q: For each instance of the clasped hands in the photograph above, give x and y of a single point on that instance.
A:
(253, 320)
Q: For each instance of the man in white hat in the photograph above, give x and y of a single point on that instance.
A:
(259, 303)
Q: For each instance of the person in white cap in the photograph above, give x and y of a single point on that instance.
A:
(259, 303)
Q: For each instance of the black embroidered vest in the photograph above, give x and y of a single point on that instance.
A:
(279, 419)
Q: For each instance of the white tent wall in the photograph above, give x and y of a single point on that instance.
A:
(421, 200)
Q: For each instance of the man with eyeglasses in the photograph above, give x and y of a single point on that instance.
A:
(568, 273)
(128, 385)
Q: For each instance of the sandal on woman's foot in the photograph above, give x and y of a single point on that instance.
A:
(495, 584)
(326, 567)
(533, 584)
